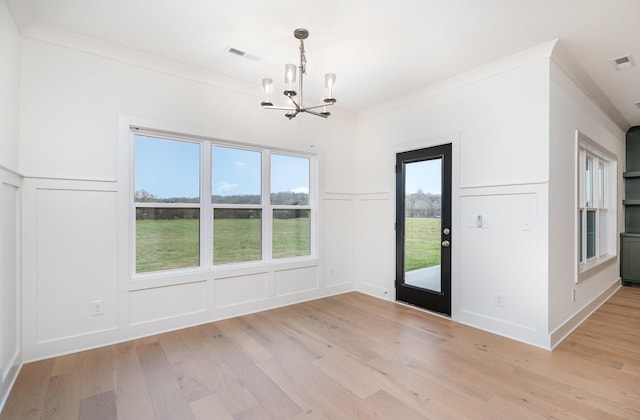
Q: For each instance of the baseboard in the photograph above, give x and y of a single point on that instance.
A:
(9, 380)
(563, 331)
(375, 291)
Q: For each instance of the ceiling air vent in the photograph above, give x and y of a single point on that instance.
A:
(623, 62)
(243, 54)
(236, 52)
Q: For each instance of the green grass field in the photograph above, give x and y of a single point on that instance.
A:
(422, 243)
(165, 244)
(169, 244)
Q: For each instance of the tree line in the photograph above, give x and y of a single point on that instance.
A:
(158, 213)
(420, 204)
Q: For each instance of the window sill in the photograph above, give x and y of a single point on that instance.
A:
(595, 265)
(190, 275)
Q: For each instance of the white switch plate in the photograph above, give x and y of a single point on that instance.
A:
(478, 221)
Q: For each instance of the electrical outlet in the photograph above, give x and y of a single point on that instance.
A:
(97, 307)
(331, 272)
(499, 300)
(573, 295)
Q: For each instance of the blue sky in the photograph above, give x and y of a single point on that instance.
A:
(425, 175)
(168, 168)
(235, 171)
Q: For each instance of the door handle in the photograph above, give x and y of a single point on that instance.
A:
(446, 243)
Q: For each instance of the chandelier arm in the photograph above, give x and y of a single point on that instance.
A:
(298, 106)
(280, 108)
(318, 106)
(319, 114)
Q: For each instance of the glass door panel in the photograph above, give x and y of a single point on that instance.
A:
(422, 224)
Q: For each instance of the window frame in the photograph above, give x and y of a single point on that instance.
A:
(228, 206)
(134, 205)
(309, 206)
(603, 185)
(206, 206)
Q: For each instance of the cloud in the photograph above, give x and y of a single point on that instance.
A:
(240, 165)
(304, 190)
(226, 186)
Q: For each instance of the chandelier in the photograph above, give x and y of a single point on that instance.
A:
(295, 99)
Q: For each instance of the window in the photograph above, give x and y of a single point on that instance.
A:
(596, 204)
(167, 204)
(260, 205)
(236, 176)
(290, 205)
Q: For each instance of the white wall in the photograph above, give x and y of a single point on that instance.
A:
(77, 99)
(497, 119)
(9, 89)
(572, 110)
(10, 349)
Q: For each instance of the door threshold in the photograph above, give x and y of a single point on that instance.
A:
(438, 314)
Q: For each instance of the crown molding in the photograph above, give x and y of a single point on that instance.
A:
(563, 59)
(472, 76)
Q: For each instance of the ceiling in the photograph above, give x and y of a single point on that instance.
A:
(379, 49)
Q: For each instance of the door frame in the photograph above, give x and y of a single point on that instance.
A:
(433, 301)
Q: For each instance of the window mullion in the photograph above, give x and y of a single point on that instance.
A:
(267, 208)
(313, 206)
(206, 208)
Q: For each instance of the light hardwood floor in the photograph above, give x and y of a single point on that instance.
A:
(344, 357)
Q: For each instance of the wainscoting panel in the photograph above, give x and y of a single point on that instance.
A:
(499, 259)
(9, 334)
(162, 303)
(231, 291)
(75, 262)
(296, 280)
(339, 239)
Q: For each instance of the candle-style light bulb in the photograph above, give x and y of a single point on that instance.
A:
(290, 71)
(329, 82)
(267, 85)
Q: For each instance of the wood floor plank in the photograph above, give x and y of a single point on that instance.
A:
(349, 356)
(164, 390)
(317, 394)
(28, 393)
(192, 382)
(99, 407)
(271, 398)
(351, 373)
(286, 342)
(131, 391)
(96, 372)
(210, 407)
(62, 400)
(385, 406)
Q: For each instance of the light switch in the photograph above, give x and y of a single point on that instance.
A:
(477, 221)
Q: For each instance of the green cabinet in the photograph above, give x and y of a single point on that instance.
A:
(630, 262)
(630, 239)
